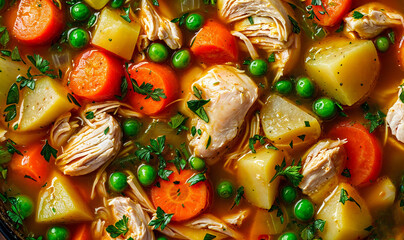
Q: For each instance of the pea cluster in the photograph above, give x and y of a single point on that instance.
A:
(78, 37)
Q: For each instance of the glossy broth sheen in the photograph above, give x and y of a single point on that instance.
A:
(383, 96)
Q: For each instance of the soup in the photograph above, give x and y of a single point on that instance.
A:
(191, 119)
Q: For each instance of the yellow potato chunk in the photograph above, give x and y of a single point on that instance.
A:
(255, 171)
(380, 195)
(267, 223)
(344, 69)
(9, 71)
(284, 122)
(44, 104)
(97, 4)
(60, 202)
(116, 35)
(344, 221)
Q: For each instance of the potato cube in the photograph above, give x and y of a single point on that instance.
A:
(344, 69)
(380, 195)
(268, 223)
(9, 71)
(254, 173)
(97, 4)
(44, 104)
(344, 221)
(60, 202)
(284, 122)
(116, 35)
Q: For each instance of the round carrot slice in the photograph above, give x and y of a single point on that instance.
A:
(363, 151)
(38, 22)
(330, 12)
(180, 198)
(158, 86)
(96, 76)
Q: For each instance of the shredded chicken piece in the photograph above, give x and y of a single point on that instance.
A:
(62, 130)
(236, 219)
(323, 165)
(210, 222)
(395, 118)
(376, 18)
(266, 25)
(231, 93)
(159, 27)
(91, 147)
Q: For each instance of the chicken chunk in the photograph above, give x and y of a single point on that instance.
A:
(376, 18)
(62, 130)
(159, 27)
(395, 118)
(138, 219)
(231, 93)
(322, 167)
(265, 24)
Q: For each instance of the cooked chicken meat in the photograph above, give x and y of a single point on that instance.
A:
(159, 27)
(231, 93)
(376, 18)
(210, 222)
(322, 166)
(62, 130)
(395, 118)
(267, 25)
(138, 219)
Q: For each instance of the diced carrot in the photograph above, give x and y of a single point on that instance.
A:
(401, 53)
(214, 44)
(31, 168)
(160, 77)
(83, 232)
(38, 22)
(363, 151)
(180, 198)
(330, 12)
(96, 76)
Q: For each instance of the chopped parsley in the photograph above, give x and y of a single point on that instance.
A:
(346, 173)
(197, 92)
(146, 89)
(271, 57)
(119, 229)
(307, 123)
(253, 140)
(251, 20)
(340, 28)
(180, 20)
(292, 173)
(5, 37)
(209, 237)
(124, 89)
(309, 232)
(126, 16)
(376, 120)
(200, 177)
(42, 65)
(106, 131)
(178, 122)
(90, 115)
(209, 142)
(401, 192)
(357, 15)
(295, 25)
(162, 219)
(279, 212)
(392, 37)
(239, 195)
(196, 106)
(48, 151)
(10, 147)
(72, 99)
(156, 3)
(344, 196)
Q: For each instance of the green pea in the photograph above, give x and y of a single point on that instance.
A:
(305, 87)
(382, 44)
(78, 38)
(118, 181)
(162, 238)
(258, 67)
(194, 22)
(146, 175)
(324, 108)
(304, 210)
(197, 163)
(181, 59)
(284, 86)
(25, 205)
(57, 233)
(288, 236)
(2, 3)
(80, 12)
(117, 3)
(225, 189)
(157, 52)
(131, 127)
(288, 194)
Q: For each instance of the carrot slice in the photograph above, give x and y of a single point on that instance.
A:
(332, 13)
(179, 198)
(38, 22)
(160, 77)
(214, 44)
(96, 76)
(31, 168)
(83, 232)
(363, 151)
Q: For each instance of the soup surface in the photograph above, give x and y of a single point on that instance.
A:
(202, 119)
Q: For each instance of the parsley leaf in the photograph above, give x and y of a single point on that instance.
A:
(13, 95)
(196, 106)
(180, 20)
(5, 37)
(253, 140)
(15, 55)
(392, 37)
(271, 57)
(10, 147)
(41, 64)
(309, 232)
(279, 212)
(295, 25)
(162, 219)
(156, 3)
(239, 195)
(291, 172)
(346, 173)
(124, 89)
(178, 122)
(120, 228)
(10, 112)
(126, 16)
(197, 92)
(89, 115)
(401, 192)
(357, 15)
(251, 20)
(209, 237)
(48, 151)
(72, 99)
(344, 196)
(200, 177)
(341, 28)
(376, 120)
